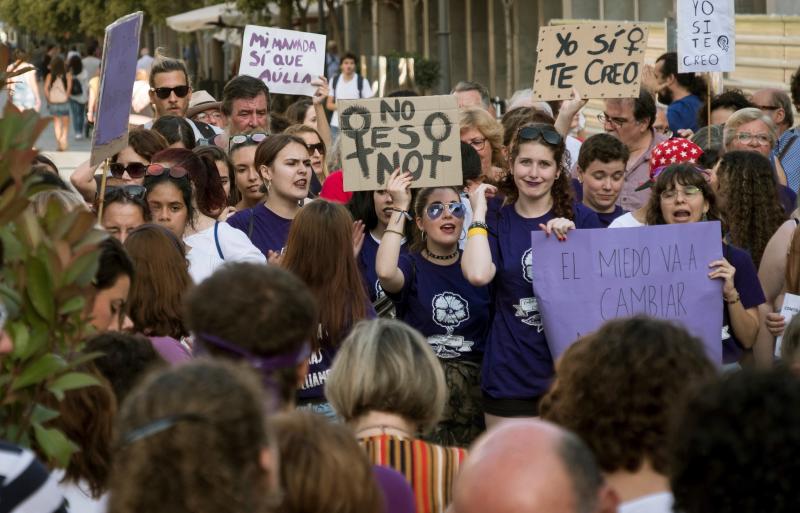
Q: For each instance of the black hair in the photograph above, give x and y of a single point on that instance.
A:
(644, 107)
(175, 129)
(693, 82)
(114, 262)
(125, 358)
(41, 159)
(118, 195)
(242, 87)
(183, 184)
(733, 99)
(401, 93)
(603, 147)
(349, 55)
(470, 163)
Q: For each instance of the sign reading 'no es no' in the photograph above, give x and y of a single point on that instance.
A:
(416, 134)
(600, 60)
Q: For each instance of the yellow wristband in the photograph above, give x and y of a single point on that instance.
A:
(477, 231)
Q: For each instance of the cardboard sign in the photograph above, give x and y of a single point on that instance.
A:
(416, 134)
(603, 60)
(790, 308)
(603, 274)
(118, 72)
(286, 60)
(706, 36)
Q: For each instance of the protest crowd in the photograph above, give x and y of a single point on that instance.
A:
(286, 321)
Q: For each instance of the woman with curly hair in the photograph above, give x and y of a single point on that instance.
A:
(748, 198)
(618, 389)
(517, 364)
(432, 296)
(680, 195)
(192, 439)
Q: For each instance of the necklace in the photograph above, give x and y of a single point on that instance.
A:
(384, 430)
(441, 257)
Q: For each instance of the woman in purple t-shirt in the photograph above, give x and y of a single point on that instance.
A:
(517, 365)
(432, 295)
(682, 195)
(285, 166)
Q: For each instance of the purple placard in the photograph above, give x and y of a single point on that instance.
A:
(118, 72)
(602, 274)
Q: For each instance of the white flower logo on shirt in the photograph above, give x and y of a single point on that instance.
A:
(527, 265)
(449, 311)
(379, 293)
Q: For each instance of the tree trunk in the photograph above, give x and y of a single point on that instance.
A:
(285, 14)
(334, 21)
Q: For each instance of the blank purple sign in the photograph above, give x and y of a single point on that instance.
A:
(603, 274)
(118, 72)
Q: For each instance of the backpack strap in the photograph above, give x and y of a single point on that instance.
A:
(335, 83)
(360, 84)
(216, 240)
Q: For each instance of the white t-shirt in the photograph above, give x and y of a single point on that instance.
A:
(204, 257)
(655, 503)
(574, 148)
(78, 496)
(349, 91)
(625, 221)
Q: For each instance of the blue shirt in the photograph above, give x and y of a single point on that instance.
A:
(788, 147)
(270, 230)
(606, 218)
(366, 264)
(442, 305)
(750, 293)
(682, 113)
(517, 363)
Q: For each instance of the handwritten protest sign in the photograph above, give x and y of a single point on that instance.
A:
(603, 60)
(597, 275)
(416, 134)
(706, 36)
(118, 68)
(790, 308)
(286, 60)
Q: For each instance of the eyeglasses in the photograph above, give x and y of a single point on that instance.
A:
(531, 133)
(239, 140)
(164, 92)
(435, 210)
(747, 137)
(174, 172)
(478, 143)
(617, 122)
(320, 147)
(134, 169)
(689, 191)
(128, 191)
(767, 107)
(213, 114)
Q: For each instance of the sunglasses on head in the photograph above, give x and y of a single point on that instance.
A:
(532, 133)
(164, 92)
(238, 140)
(128, 191)
(174, 172)
(134, 169)
(435, 210)
(320, 147)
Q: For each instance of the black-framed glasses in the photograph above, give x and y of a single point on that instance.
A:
(164, 92)
(320, 147)
(174, 172)
(478, 143)
(617, 122)
(134, 169)
(456, 209)
(532, 133)
(240, 139)
(129, 191)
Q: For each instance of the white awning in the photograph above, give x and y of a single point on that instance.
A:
(210, 17)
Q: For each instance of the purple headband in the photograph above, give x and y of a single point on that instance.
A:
(264, 364)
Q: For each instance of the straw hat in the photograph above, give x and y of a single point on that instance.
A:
(202, 101)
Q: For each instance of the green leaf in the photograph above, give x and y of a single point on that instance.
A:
(40, 289)
(42, 414)
(84, 358)
(21, 337)
(74, 304)
(54, 444)
(82, 271)
(71, 381)
(39, 370)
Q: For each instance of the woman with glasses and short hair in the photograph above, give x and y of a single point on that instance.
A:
(432, 295)
(517, 364)
(681, 194)
(127, 167)
(485, 134)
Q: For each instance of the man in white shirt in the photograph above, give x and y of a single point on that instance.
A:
(348, 85)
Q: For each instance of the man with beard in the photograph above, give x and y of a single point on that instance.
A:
(684, 93)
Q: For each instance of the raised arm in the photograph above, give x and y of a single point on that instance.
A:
(389, 274)
(476, 262)
(567, 111)
(83, 180)
(319, 99)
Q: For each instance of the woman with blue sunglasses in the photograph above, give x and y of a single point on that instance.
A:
(432, 295)
(517, 365)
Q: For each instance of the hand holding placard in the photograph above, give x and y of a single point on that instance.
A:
(601, 60)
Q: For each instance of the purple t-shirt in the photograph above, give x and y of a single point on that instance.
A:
(517, 363)
(171, 350)
(366, 264)
(270, 231)
(398, 497)
(442, 305)
(751, 295)
(606, 218)
(788, 199)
